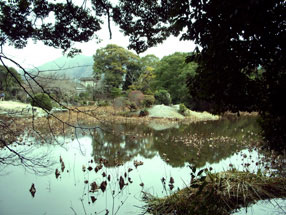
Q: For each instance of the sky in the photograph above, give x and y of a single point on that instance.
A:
(36, 54)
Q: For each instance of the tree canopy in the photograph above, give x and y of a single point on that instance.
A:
(171, 74)
(26, 19)
(120, 67)
(9, 80)
(147, 75)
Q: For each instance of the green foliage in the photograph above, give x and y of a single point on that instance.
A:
(115, 92)
(43, 101)
(119, 66)
(84, 95)
(83, 102)
(150, 61)
(183, 110)
(143, 83)
(102, 103)
(132, 106)
(149, 100)
(144, 112)
(171, 74)
(163, 97)
(8, 80)
(91, 103)
(72, 23)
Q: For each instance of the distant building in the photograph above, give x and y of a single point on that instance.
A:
(88, 81)
(80, 88)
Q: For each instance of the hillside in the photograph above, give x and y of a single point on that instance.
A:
(76, 67)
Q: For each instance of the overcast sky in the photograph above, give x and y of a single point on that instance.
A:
(38, 54)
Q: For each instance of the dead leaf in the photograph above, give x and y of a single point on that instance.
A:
(121, 182)
(94, 187)
(57, 173)
(93, 199)
(103, 186)
(33, 190)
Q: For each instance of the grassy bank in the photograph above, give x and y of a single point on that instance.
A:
(220, 193)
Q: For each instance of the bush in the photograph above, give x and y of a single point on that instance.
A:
(143, 113)
(149, 100)
(83, 102)
(115, 92)
(83, 95)
(120, 102)
(163, 97)
(43, 101)
(183, 110)
(102, 103)
(133, 107)
(91, 102)
(137, 97)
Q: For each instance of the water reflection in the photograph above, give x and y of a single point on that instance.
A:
(106, 170)
(27, 156)
(197, 144)
(120, 143)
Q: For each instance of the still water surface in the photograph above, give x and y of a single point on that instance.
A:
(123, 160)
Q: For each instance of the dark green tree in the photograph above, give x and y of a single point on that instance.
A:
(7, 81)
(143, 82)
(120, 67)
(150, 60)
(171, 74)
(43, 101)
(26, 19)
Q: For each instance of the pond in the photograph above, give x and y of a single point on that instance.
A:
(106, 170)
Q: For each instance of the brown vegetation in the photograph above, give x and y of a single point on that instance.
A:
(220, 193)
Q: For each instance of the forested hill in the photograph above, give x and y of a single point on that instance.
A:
(76, 67)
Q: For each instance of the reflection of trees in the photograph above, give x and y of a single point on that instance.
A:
(196, 143)
(119, 143)
(26, 156)
(14, 152)
(205, 142)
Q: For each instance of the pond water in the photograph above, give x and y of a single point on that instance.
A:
(105, 170)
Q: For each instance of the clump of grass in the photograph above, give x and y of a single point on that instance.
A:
(220, 193)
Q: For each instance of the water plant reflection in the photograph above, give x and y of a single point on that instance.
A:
(198, 143)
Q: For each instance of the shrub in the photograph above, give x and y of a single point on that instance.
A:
(83, 102)
(149, 100)
(43, 101)
(115, 92)
(137, 97)
(91, 102)
(120, 102)
(102, 103)
(83, 95)
(143, 113)
(133, 107)
(183, 109)
(163, 97)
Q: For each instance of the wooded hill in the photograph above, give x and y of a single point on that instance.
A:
(74, 68)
